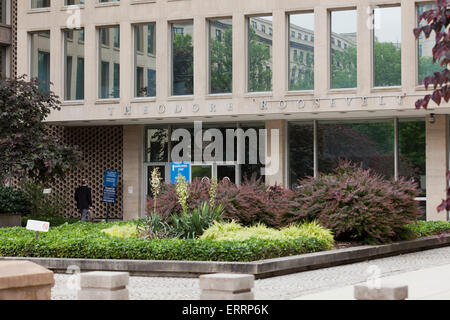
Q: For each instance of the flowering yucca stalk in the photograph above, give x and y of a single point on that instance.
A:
(156, 186)
(182, 192)
(213, 192)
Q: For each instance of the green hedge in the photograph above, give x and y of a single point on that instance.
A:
(54, 221)
(429, 228)
(84, 240)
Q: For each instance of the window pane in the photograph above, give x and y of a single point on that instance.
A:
(109, 62)
(73, 65)
(259, 54)
(411, 140)
(157, 145)
(226, 172)
(40, 4)
(4, 69)
(387, 54)
(145, 61)
(301, 51)
(200, 172)
(220, 56)
(368, 142)
(301, 151)
(73, 2)
(343, 49)
(40, 58)
(425, 47)
(182, 58)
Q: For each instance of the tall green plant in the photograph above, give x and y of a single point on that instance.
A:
(192, 225)
(182, 191)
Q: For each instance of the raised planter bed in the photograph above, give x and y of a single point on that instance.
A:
(260, 269)
(10, 220)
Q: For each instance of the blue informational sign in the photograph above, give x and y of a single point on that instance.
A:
(179, 168)
(111, 178)
(110, 186)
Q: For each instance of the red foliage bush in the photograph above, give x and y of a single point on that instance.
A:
(358, 204)
(250, 203)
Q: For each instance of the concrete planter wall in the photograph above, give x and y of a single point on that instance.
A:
(10, 220)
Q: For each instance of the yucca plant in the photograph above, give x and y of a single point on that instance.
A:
(154, 227)
(192, 225)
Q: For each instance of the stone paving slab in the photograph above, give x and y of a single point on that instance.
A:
(425, 284)
(278, 288)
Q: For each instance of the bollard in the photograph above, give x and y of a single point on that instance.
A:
(99, 285)
(383, 292)
(224, 286)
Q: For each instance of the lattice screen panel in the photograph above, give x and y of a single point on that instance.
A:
(102, 149)
(13, 38)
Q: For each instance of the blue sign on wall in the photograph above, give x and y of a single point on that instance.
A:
(111, 178)
(179, 168)
(110, 186)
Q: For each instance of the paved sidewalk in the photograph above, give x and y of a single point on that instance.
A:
(426, 284)
(295, 286)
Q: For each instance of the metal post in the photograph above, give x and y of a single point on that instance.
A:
(107, 212)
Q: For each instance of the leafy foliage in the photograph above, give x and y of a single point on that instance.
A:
(221, 63)
(124, 231)
(85, 240)
(343, 68)
(154, 227)
(438, 21)
(250, 203)
(234, 231)
(54, 221)
(429, 228)
(260, 73)
(26, 145)
(192, 225)
(40, 204)
(12, 200)
(183, 63)
(357, 204)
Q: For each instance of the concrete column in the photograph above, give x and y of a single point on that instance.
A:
(276, 152)
(132, 171)
(436, 165)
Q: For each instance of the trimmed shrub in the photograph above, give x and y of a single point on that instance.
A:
(85, 240)
(429, 228)
(54, 221)
(234, 231)
(358, 204)
(12, 200)
(250, 203)
(124, 232)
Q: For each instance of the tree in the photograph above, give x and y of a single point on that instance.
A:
(27, 147)
(388, 61)
(183, 64)
(437, 20)
(343, 68)
(260, 72)
(221, 63)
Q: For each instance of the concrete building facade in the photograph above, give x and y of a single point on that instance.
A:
(312, 70)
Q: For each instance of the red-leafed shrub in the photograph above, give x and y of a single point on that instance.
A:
(358, 204)
(250, 203)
